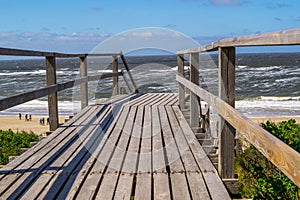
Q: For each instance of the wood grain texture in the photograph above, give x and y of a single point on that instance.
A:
(83, 86)
(181, 91)
(227, 94)
(279, 153)
(283, 37)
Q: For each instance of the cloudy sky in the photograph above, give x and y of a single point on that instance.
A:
(80, 25)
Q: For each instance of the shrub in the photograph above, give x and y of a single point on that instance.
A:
(10, 143)
(258, 177)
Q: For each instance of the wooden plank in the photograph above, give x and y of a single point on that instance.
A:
(194, 99)
(214, 183)
(92, 181)
(109, 183)
(279, 153)
(42, 158)
(226, 93)
(52, 98)
(162, 100)
(180, 72)
(197, 186)
(59, 171)
(35, 94)
(115, 79)
(158, 154)
(83, 86)
(143, 178)
(143, 186)
(161, 186)
(129, 73)
(278, 38)
(71, 189)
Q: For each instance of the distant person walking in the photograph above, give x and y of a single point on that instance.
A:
(26, 117)
(20, 116)
(30, 118)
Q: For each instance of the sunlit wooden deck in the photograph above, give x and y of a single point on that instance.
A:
(137, 146)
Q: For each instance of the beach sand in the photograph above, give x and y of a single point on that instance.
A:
(17, 125)
(274, 119)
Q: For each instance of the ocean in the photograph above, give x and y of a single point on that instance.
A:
(267, 84)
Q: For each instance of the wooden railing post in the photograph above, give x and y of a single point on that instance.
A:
(116, 78)
(181, 91)
(83, 86)
(194, 78)
(226, 93)
(52, 98)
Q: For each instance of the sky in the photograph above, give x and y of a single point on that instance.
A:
(80, 25)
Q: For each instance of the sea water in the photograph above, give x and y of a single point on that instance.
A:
(266, 84)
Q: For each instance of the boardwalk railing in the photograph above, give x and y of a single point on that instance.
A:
(53, 87)
(280, 154)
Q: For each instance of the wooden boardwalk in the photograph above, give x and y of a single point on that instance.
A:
(137, 146)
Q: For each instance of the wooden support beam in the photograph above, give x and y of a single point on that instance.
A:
(194, 78)
(84, 85)
(115, 78)
(52, 98)
(227, 94)
(181, 91)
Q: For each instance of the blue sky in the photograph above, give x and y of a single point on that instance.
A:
(78, 26)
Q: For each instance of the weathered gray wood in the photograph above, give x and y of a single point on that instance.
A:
(214, 183)
(42, 156)
(52, 98)
(83, 86)
(194, 78)
(35, 94)
(129, 73)
(21, 52)
(227, 94)
(279, 153)
(284, 37)
(115, 79)
(161, 186)
(181, 90)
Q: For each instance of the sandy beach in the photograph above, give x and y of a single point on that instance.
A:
(17, 125)
(13, 123)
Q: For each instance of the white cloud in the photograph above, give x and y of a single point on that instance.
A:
(76, 42)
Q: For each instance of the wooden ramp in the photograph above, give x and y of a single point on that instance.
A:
(138, 146)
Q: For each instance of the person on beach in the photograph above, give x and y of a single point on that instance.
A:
(48, 121)
(30, 118)
(26, 117)
(20, 116)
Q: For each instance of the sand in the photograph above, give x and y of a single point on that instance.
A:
(17, 125)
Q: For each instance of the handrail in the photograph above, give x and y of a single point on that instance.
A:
(284, 37)
(279, 153)
(35, 94)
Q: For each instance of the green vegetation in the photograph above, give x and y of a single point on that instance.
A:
(258, 177)
(10, 143)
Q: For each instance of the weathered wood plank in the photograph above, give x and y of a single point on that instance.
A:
(197, 186)
(161, 186)
(92, 182)
(61, 169)
(52, 98)
(226, 93)
(115, 79)
(143, 186)
(284, 37)
(41, 159)
(279, 153)
(181, 89)
(214, 183)
(194, 99)
(83, 86)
